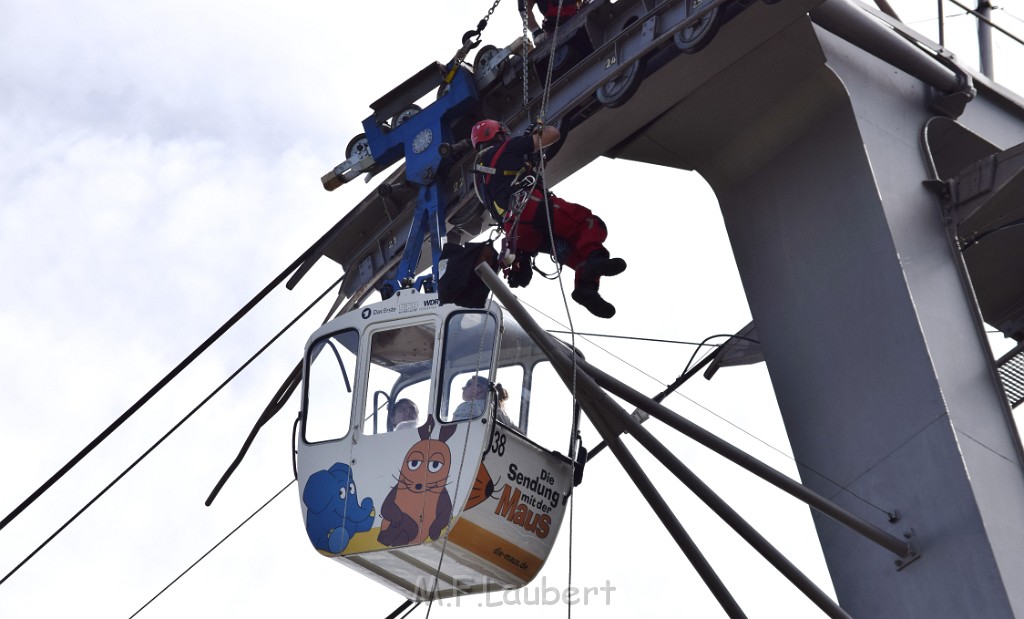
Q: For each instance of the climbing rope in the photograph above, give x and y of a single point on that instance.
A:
(574, 437)
(480, 358)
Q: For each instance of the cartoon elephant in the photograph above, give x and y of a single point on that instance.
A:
(334, 513)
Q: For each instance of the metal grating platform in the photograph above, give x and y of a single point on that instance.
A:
(1011, 371)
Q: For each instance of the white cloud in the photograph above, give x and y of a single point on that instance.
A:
(160, 163)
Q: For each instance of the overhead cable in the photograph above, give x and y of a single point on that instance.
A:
(169, 377)
(167, 434)
(215, 546)
(988, 21)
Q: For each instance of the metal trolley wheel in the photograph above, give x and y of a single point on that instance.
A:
(405, 115)
(696, 37)
(617, 91)
(483, 58)
(359, 145)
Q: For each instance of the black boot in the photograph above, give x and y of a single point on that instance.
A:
(600, 264)
(586, 295)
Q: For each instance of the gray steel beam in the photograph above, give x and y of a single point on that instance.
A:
(878, 359)
(608, 415)
(881, 370)
(901, 548)
(874, 345)
(856, 26)
(598, 406)
(731, 517)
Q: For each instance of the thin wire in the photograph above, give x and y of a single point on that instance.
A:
(574, 436)
(465, 445)
(704, 343)
(982, 18)
(574, 433)
(930, 19)
(541, 312)
(298, 262)
(545, 95)
(208, 552)
(444, 543)
(166, 435)
(1008, 14)
(650, 339)
(723, 419)
(974, 240)
(572, 510)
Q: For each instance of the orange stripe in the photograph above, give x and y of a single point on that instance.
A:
(495, 549)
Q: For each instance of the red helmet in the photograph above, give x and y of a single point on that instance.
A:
(485, 131)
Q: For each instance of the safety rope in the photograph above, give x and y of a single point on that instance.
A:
(465, 445)
(575, 432)
(527, 191)
(513, 216)
(545, 98)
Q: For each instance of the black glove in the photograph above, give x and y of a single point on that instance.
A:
(520, 272)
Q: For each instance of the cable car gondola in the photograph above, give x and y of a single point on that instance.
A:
(460, 502)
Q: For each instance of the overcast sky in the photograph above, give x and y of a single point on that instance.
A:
(160, 163)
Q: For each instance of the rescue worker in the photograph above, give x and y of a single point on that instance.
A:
(574, 46)
(508, 184)
(550, 10)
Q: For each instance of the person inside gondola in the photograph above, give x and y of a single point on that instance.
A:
(474, 400)
(502, 395)
(404, 414)
(507, 181)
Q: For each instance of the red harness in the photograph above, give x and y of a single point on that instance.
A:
(568, 9)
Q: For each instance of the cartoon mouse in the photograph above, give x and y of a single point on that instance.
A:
(421, 492)
(334, 513)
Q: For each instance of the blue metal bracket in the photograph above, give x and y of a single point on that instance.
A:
(418, 139)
